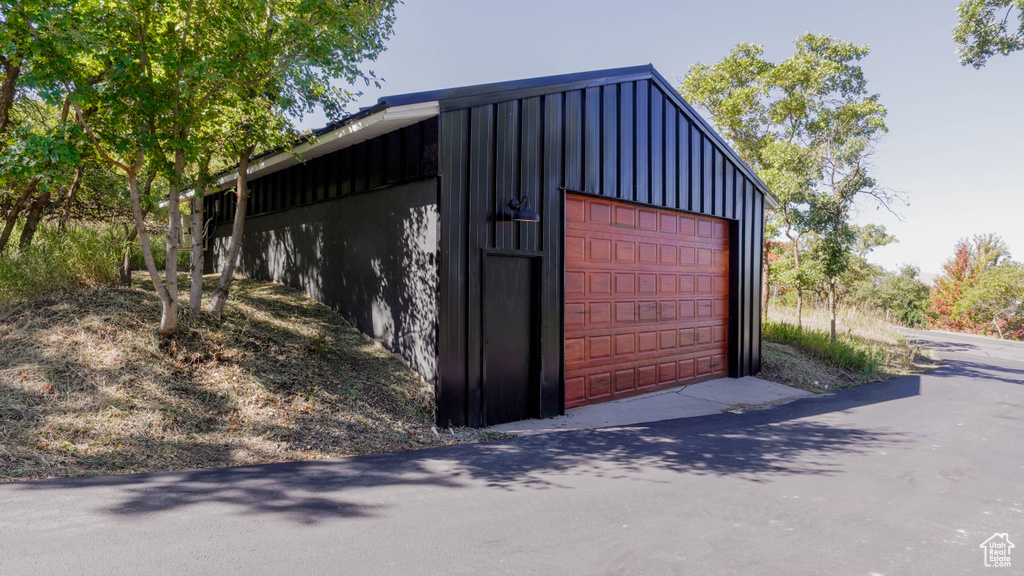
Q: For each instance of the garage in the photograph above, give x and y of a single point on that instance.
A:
(527, 246)
(646, 299)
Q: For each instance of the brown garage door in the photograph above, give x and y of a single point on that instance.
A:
(646, 299)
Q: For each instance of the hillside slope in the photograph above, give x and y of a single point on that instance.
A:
(87, 386)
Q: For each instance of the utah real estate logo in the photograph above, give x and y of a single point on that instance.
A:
(997, 550)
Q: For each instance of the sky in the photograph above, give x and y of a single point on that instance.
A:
(955, 147)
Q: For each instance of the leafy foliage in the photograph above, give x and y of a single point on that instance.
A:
(808, 126)
(987, 28)
(980, 288)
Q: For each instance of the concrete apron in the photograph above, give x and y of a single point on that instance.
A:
(701, 399)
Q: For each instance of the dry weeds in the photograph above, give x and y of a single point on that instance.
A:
(87, 386)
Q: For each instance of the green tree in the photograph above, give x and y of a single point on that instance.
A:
(988, 27)
(807, 125)
(299, 52)
(997, 300)
(156, 84)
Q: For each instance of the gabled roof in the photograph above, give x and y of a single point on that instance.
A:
(468, 96)
(394, 112)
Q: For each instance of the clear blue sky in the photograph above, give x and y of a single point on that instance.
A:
(956, 135)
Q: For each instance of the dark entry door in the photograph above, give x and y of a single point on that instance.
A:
(510, 387)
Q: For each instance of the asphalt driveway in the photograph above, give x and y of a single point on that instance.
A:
(904, 477)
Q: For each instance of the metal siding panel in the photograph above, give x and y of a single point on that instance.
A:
(695, 169)
(656, 150)
(376, 152)
(609, 140)
(452, 381)
(393, 157)
(507, 173)
(758, 218)
(671, 188)
(479, 212)
(641, 144)
(707, 183)
(627, 147)
(530, 171)
(683, 170)
(750, 291)
(344, 172)
(551, 277)
(359, 168)
(729, 194)
(719, 179)
(592, 140)
(573, 146)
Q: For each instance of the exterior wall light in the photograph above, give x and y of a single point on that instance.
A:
(523, 212)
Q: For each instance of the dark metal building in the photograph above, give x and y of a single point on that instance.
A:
(412, 219)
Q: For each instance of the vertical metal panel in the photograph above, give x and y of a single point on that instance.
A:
(507, 172)
(480, 212)
(609, 140)
(573, 146)
(626, 149)
(719, 184)
(556, 146)
(592, 140)
(729, 194)
(530, 171)
(452, 350)
(707, 182)
(756, 271)
(695, 169)
(671, 188)
(750, 291)
(641, 150)
(344, 172)
(658, 150)
(392, 157)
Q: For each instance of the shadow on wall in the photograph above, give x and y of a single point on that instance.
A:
(371, 257)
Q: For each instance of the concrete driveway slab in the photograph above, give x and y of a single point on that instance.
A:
(701, 399)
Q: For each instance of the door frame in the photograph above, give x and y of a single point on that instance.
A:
(536, 384)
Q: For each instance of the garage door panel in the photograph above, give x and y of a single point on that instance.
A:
(646, 299)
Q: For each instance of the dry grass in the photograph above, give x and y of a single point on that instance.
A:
(87, 386)
(793, 365)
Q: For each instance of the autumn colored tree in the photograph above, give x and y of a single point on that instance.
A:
(961, 273)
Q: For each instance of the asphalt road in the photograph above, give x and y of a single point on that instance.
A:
(897, 478)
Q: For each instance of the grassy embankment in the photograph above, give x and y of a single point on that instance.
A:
(867, 349)
(87, 386)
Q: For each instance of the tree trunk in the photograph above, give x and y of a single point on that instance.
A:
(220, 295)
(12, 216)
(8, 90)
(35, 213)
(766, 289)
(169, 318)
(799, 307)
(832, 310)
(195, 300)
(69, 198)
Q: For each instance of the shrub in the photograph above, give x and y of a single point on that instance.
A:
(158, 244)
(58, 261)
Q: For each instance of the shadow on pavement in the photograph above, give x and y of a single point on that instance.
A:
(756, 446)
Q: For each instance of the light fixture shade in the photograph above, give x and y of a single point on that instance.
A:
(523, 212)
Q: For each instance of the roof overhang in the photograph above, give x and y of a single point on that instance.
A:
(353, 130)
(345, 135)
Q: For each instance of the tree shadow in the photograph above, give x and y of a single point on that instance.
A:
(371, 257)
(758, 446)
